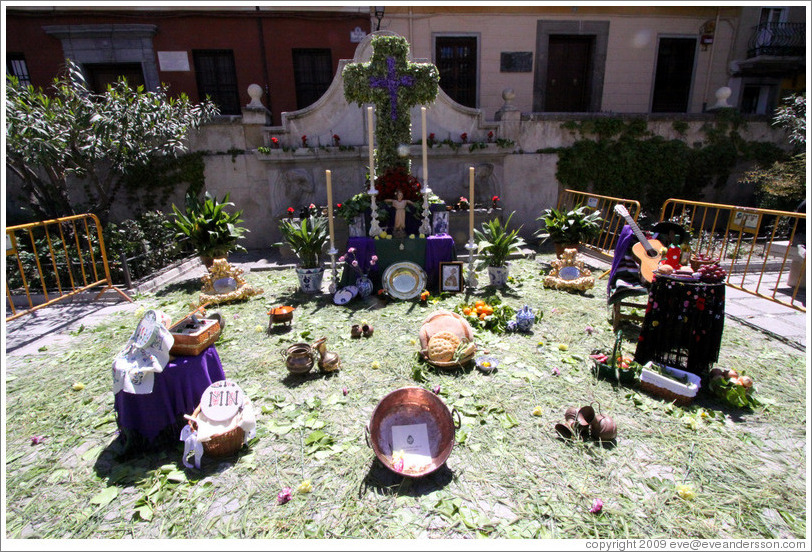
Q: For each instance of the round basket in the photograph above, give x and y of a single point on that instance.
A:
(451, 363)
(224, 444)
(696, 263)
(408, 406)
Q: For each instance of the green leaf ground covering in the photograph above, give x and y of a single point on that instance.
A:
(507, 477)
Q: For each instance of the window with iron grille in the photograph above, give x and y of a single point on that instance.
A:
(15, 65)
(312, 73)
(456, 60)
(217, 79)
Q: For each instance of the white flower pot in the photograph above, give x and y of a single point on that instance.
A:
(310, 279)
(498, 275)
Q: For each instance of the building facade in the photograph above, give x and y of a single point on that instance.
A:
(292, 53)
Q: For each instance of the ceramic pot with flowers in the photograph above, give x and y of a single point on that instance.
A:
(362, 280)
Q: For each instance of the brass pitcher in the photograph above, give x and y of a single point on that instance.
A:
(299, 358)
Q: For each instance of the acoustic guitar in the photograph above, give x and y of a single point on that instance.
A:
(646, 252)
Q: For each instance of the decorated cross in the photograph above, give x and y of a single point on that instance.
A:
(393, 84)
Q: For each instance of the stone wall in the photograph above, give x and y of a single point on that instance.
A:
(264, 185)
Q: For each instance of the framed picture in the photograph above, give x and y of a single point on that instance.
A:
(451, 276)
(439, 222)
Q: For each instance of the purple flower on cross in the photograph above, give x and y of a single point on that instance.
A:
(391, 82)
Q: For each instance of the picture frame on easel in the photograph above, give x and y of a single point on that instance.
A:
(451, 276)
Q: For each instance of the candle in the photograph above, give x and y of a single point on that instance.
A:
(425, 151)
(471, 202)
(330, 207)
(371, 150)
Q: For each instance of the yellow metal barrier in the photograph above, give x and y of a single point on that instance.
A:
(604, 243)
(58, 258)
(763, 251)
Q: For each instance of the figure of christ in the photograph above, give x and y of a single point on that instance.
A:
(399, 229)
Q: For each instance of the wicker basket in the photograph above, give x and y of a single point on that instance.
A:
(192, 344)
(224, 444)
(667, 388)
(696, 263)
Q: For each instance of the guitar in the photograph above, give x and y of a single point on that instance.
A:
(646, 252)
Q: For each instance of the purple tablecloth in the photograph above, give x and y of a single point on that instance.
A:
(438, 248)
(177, 391)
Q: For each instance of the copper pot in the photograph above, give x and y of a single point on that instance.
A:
(299, 358)
(409, 406)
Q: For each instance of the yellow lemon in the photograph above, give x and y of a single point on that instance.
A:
(375, 365)
(78, 386)
(563, 347)
(305, 486)
(537, 411)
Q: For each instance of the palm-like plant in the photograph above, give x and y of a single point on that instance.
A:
(210, 229)
(306, 237)
(495, 242)
(569, 227)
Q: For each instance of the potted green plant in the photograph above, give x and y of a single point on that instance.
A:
(569, 228)
(494, 244)
(209, 228)
(307, 238)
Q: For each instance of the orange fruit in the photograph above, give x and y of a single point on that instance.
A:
(482, 316)
(479, 304)
(466, 311)
(488, 309)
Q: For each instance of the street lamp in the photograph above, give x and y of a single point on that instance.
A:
(379, 10)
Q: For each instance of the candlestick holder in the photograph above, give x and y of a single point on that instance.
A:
(425, 226)
(472, 281)
(374, 225)
(333, 285)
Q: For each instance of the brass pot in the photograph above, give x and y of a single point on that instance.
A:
(299, 358)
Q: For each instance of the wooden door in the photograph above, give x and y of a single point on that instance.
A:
(569, 68)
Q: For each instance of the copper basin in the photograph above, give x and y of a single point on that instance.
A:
(280, 315)
(407, 406)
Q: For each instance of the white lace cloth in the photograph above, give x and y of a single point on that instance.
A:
(208, 428)
(145, 354)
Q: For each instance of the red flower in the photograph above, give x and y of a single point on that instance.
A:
(291, 210)
(338, 205)
(490, 134)
(275, 140)
(304, 140)
(395, 179)
(464, 136)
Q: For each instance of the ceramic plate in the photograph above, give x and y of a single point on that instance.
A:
(404, 280)
(345, 295)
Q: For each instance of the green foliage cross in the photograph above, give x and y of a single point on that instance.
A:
(393, 84)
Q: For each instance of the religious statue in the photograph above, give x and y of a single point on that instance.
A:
(399, 228)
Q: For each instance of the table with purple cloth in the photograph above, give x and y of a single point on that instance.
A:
(176, 391)
(427, 252)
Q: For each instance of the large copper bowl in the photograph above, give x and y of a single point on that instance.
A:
(407, 406)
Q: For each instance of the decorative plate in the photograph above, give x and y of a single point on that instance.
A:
(404, 280)
(345, 295)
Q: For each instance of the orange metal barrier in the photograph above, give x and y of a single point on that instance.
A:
(763, 251)
(613, 223)
(58, 258)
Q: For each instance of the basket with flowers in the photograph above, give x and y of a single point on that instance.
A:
(397, 179)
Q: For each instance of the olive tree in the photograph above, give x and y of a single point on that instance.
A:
(72, 132)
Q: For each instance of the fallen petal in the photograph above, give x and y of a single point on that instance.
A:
(597, 506)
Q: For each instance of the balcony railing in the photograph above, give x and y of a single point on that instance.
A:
(777, 39)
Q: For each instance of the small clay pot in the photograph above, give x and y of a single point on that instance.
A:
(603, 428)
(564, 430)
(570, 415)
(355, 331)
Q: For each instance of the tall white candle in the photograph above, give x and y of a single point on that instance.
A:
(471, 202)
(371, 150)
(330, 207)
(425, 150)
